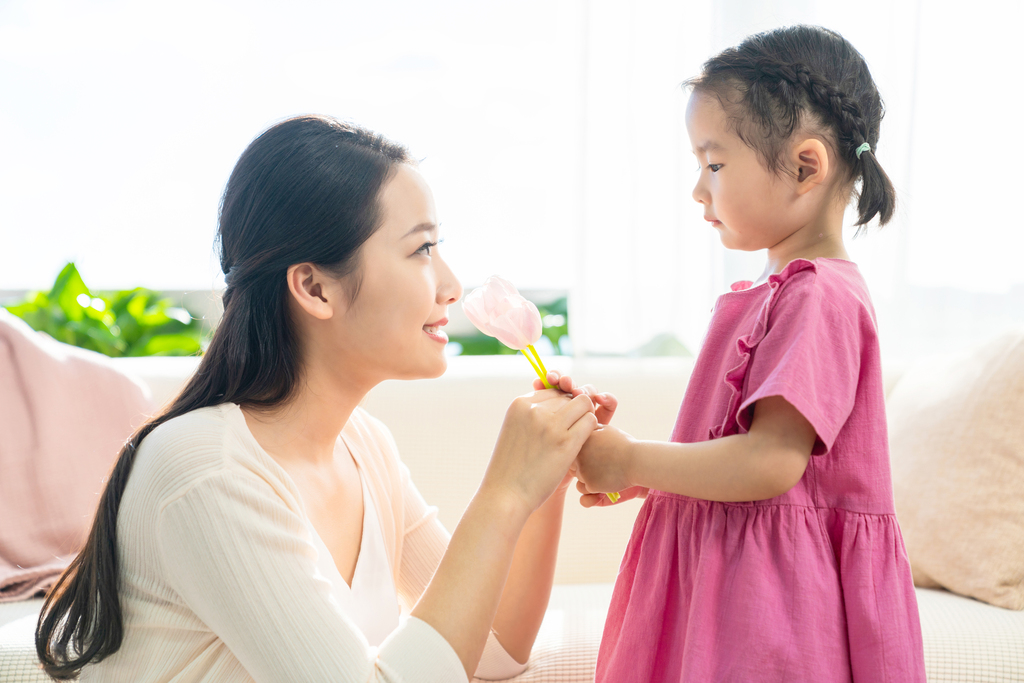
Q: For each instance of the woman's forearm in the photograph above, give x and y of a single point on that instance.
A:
(528, 588)
(462, 598)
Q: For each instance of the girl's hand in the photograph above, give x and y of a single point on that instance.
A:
(604, 463)
(606, 403)
(539, 439)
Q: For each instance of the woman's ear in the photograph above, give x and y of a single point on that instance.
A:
(313, 291)
(810, 158)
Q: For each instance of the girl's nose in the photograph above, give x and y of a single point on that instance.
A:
(449, 289)
(699, 194)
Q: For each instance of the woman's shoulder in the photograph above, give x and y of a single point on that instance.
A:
(194, 446)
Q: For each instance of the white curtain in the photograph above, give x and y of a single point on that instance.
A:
(551, 132)
(946, 271)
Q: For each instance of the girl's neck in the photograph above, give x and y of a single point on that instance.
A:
(820, 239)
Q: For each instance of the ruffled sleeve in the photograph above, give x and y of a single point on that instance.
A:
(805, 346)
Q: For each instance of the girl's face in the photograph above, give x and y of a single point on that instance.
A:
(751, 207)
(392, 330)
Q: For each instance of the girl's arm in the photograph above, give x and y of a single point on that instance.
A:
(764, 463)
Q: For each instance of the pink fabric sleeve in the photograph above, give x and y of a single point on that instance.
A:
(809, 355)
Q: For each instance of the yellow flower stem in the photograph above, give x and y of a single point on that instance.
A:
(543, 370)
(542, 375)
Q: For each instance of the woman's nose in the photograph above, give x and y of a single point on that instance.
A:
(449, 289)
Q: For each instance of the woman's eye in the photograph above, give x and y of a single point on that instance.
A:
(714, 167)
(426, 247)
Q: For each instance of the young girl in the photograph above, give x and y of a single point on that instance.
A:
(767, 548)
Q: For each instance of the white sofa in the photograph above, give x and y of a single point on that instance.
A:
(445, 429)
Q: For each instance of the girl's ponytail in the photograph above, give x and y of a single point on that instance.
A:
(877, 194)
(305, 191)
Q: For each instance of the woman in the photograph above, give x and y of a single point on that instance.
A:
(263, 528)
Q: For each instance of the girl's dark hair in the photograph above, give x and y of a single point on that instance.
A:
(304, 191)
(800, 75)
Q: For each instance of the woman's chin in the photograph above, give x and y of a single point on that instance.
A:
(430, 370)
(439, 369)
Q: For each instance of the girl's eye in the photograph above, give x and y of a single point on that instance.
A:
(426, 247)
(714, 167)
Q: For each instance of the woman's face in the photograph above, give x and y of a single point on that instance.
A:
(392, 330)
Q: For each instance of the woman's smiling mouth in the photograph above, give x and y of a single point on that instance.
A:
(435, 332)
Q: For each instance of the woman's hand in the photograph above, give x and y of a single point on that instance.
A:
(606, 403)
(539, 439)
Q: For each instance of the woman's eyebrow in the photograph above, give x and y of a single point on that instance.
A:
(422, 227)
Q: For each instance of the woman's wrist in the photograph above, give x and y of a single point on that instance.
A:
(502, 506)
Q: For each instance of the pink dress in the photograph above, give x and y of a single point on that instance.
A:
(813, 585)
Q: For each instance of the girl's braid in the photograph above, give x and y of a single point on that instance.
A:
(842, 111)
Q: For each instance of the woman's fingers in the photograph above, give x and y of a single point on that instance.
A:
(576, 409)
(557, 381)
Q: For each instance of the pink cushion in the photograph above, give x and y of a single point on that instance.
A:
(64, 415)
(956, 434)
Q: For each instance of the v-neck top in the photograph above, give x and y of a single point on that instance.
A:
(224, 580)
(371, 600)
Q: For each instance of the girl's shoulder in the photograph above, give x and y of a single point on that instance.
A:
(828, 283)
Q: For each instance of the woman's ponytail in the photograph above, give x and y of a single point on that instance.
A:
(304, 191)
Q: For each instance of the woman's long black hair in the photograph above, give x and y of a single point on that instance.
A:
(304, 191)
(789, 77)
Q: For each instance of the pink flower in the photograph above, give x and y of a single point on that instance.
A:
(498, 310)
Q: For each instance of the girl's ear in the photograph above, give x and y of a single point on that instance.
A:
(314, 292)
(810, 158)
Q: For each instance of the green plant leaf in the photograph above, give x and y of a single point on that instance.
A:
(66, 290)
(168, 345)
(135, 322)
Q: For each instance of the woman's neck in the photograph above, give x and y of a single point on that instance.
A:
(306, 428)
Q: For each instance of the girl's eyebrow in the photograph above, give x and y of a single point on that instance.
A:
(708, 146)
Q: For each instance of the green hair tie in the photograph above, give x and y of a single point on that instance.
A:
(863, 148)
